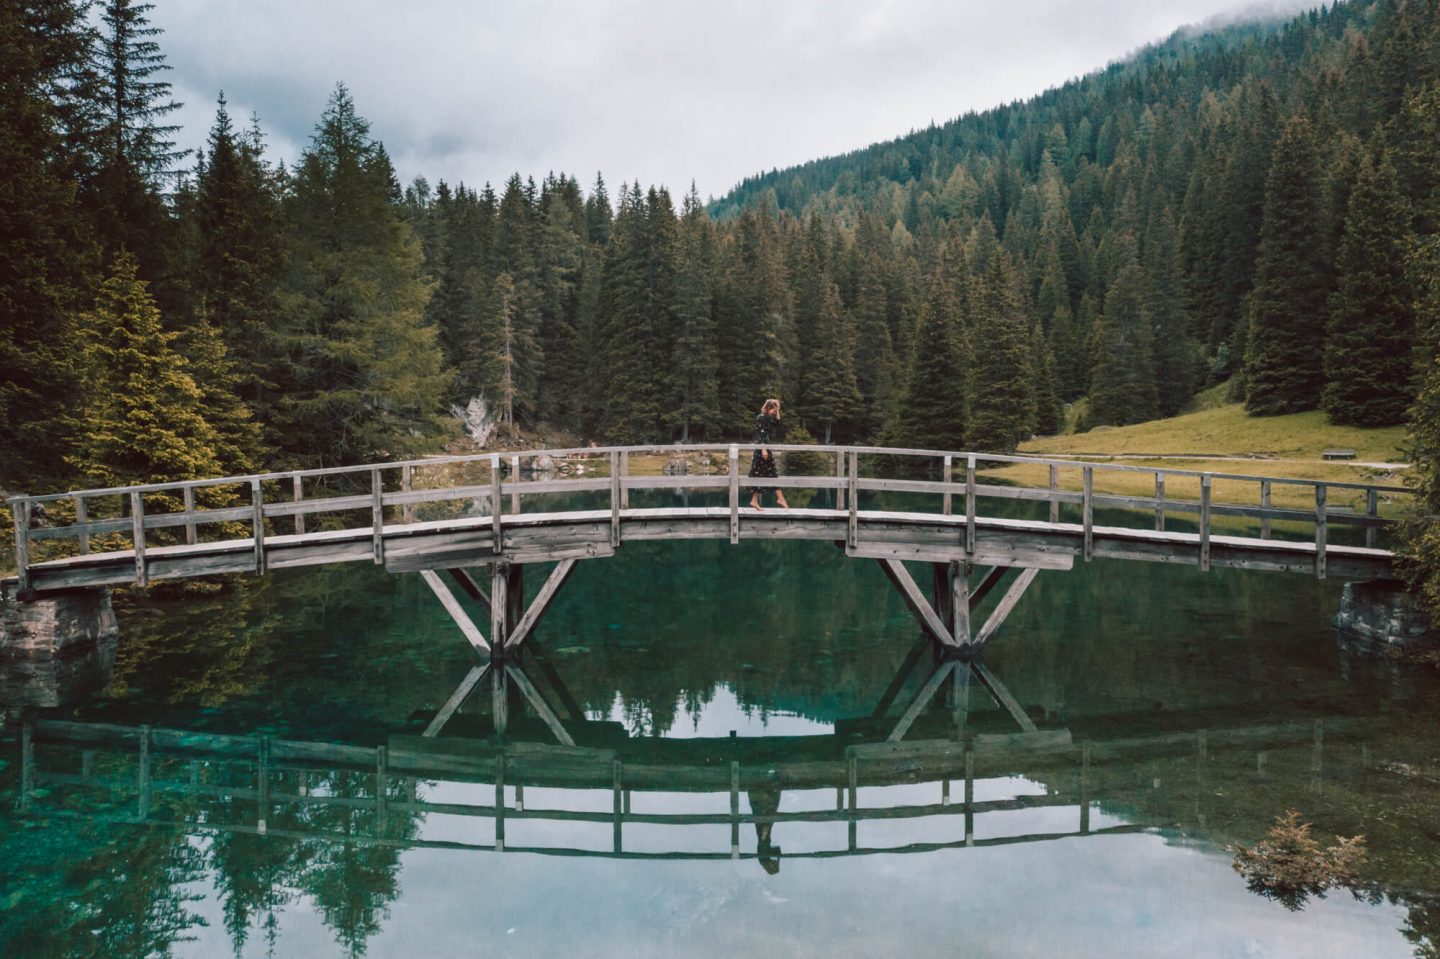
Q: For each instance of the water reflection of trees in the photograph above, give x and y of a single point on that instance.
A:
(792, 627)
(90, 881)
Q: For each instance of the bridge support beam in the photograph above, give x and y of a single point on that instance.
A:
(945, 616)
(511, 621)
(959, 672)
(1006, 605)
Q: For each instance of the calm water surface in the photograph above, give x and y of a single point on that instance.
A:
(1177, 714)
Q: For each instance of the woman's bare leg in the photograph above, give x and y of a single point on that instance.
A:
(780, 498)
(755, 501)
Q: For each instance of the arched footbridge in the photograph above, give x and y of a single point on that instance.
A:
(973, 517)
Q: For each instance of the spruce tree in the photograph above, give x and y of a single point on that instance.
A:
(238, 262)
(366, 377)
(695, 387)
(1123, 376)
(144, 418)
(1049, 411)
(1002, 405)
(933, 412)
(1368, 364)
(136, 146)
(46, 249)
(1284, 367)
(833, 396)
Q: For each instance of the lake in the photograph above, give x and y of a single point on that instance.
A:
(1176, 716)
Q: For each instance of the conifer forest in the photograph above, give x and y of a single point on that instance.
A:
(1257, 206)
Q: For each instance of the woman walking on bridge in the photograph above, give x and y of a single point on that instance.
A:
(762, 464)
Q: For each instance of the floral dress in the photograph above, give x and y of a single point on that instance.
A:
(767, 430)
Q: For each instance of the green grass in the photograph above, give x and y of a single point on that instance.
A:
(1226, 430)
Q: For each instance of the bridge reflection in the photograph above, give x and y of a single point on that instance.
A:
(569, 785)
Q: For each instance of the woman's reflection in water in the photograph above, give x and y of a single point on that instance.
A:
(765, 802)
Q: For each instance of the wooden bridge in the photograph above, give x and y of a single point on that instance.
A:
(958, 512)
(203, 783)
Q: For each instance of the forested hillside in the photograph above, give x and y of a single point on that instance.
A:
(1255, 205)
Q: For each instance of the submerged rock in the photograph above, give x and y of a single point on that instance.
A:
(1383, 615)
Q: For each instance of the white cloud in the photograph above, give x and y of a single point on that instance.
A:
(662, 90)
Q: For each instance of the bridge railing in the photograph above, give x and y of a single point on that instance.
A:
(260, 508)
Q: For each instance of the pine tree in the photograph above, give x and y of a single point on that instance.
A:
(144, 418)
(1002, 405)
(1368, 364)
(1283, 364)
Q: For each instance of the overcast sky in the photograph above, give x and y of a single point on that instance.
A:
(665, 91)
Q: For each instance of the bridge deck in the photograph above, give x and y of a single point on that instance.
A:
(198, 527)
(535, 537)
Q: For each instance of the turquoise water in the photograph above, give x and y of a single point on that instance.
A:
(1177, 714)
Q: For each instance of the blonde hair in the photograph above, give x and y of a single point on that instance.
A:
(771, 404)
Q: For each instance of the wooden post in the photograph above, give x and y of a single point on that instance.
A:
(624, 474)
(969, 506)
(1159, 502)
(619, 803)
(1205, 522)
(257, 523)
(497, 531)
(840, 475)
(615, 501)
(500, 803)
(190, 533)
(22, 544)
(1264, 505)
(734, 494)
(1319, 530)
(1372, 510)
(81, 518)
(960, 601)
(380, 797)
(1085, 787)
(1087, 510)
(297, 494)
(143, 774)
(27, 766)
(734, 809)
(377, 511)
(515, 484)
(852, 771)
(137, 533)
(262, 786)
(499, 702)
(969, 797)
(499, 607)
(407, 483)
(852, 531)
(949, 477)
(1054, 490)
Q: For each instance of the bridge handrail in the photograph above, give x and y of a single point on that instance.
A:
(690, 448)
(958, 479)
